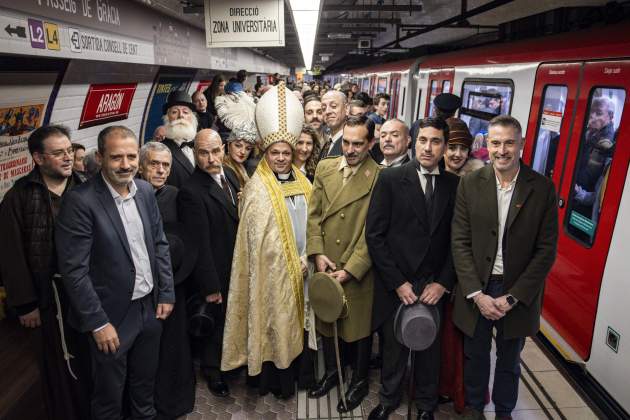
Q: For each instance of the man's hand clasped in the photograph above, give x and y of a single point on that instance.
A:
(491, 308)
(431, 294)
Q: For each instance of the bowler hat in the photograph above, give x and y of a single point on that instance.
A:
(178, 97)
(416, 326)
(327, 297)
(447, 102)
(202, 316)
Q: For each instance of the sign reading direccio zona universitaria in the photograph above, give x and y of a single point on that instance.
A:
(245, 23)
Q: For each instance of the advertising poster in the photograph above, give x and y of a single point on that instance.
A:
(165, 84)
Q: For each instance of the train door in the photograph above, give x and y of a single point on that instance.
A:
(372, 85)
(590, 172)
(394, 89)
(439, 81)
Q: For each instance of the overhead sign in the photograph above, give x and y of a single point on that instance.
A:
(246, 23)
(106, 103)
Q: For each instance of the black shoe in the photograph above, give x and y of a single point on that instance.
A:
(354, 396)
(381, 412)
(425, 415)
(324, 386)
(218, 388)
(443, 399)
(280, 396)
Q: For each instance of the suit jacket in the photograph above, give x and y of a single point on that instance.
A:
(404, 244)
(336, 150)
(336, 228)
(206, 211)
(94, 256)
(531, 235)
(181, 169)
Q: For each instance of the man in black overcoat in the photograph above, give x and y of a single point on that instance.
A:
(180, 121)
(408, 230)
(208, 205)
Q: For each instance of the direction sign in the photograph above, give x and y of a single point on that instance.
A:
(75, 40)
(36, 30)
(53, 41)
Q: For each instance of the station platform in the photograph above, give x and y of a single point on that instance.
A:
(544, 394)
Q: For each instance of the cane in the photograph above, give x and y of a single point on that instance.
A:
(412, 384)
(342, 386)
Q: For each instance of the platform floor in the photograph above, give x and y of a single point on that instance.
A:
(544, 394)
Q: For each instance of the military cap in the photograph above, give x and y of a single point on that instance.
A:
(327, 297)
(447, 102)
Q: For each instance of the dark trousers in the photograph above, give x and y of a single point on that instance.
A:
(426, 369)
(477, 362)
(357, 354)
(210, 349)
(133, 367)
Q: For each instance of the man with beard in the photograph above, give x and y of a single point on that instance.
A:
(208, 206)
(266, 310)
(314, 113)
(336, 242)
(28, 266)
(335, 113)
(175, 379)
(115, 263)
(181, 127)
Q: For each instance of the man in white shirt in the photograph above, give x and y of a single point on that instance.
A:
(394, 143)
(335, 114)
(116, 268)
(504, 235)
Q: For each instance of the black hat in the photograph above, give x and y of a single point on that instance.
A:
(178, 97)
(202, 316)
(447, 102)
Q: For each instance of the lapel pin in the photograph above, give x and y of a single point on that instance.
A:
(367, 172)
(518, 206)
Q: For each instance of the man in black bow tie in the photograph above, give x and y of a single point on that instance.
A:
(180, 122)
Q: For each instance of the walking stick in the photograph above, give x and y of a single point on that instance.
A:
(342, 386)
(412, 384)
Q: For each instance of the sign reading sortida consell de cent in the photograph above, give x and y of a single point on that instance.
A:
(244, 23)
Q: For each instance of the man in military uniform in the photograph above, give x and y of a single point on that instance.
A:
(336, 241)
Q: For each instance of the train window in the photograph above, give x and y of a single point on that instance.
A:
(434, 93)
(483, 100)
(597, 148)
(446, 86)
(382, 85)
(365, 85)
(549, 122)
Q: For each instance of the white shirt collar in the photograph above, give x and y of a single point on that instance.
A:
(395, 161)
(284, 177)
(117, 197)
(217, 177)
(435, 171)
(512, 182)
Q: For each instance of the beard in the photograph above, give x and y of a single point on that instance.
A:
(180, 130)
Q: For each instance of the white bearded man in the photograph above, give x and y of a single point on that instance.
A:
(266, 307)
(180, 123)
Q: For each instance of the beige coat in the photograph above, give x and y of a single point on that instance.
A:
(336, 228)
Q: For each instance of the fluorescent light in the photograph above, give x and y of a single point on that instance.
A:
(306, 17)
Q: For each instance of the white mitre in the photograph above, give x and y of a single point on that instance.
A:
(279, 117)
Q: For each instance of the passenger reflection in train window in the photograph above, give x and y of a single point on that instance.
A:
(594, 161)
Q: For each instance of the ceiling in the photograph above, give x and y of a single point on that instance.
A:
(389, 25)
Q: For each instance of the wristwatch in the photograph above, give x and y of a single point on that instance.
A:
(510, 300)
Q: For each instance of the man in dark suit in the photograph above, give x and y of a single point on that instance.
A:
(208, 206)
(334, 104)
(505, 231)
(394, 142)
(408, 232)
(116, 269)
(181, 124)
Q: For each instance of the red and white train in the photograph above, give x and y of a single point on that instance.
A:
(563, 89)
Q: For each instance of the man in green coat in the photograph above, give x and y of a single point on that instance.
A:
(504, 236)
(336, 241)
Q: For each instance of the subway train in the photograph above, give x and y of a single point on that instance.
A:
(569, 91)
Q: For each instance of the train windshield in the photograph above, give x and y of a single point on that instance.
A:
(597, 149)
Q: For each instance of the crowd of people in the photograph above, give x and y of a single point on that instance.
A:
(231, 235)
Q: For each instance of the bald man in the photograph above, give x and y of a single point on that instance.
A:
(334, 104)
(207, 204)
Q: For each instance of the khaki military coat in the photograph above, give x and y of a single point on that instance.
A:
(529, 250)
(336, 228)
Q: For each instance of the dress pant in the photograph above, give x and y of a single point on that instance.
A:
(355, 354)
(426, 368)
(477, 362)
(211, 347)
(133, 367)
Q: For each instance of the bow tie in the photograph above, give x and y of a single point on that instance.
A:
(190, 144)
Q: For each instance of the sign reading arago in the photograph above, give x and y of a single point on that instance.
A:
(244, 23)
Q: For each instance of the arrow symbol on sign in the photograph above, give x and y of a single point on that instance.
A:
(20, 31)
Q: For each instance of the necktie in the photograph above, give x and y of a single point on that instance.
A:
(347, 173)
(428, 193)
(226, 189)
(190, 144)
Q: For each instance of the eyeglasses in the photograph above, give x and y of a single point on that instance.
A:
(58, 154)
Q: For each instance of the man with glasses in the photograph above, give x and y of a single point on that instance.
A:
(28, 266)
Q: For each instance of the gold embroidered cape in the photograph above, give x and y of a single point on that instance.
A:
(265, 311)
